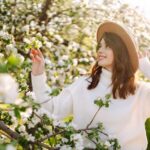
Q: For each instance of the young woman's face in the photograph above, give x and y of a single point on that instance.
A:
(105, 56)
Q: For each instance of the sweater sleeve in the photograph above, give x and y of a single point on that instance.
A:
(144, 66)
(60, 106)
(145, 97)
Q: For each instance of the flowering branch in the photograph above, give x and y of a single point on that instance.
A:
(16, 136)
(99, 102)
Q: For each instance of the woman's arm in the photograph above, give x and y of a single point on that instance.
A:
(144, 66)
(144, 63)
(59, 106)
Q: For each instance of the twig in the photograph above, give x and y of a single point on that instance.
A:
(11, 133)
(49, 135)
(91, 139)
(86, 129)
(93, 117)
(3, 133)
(44, 145)
(16, 136)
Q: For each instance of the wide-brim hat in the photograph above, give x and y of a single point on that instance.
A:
(125, 35)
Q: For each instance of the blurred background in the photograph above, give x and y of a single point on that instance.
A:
(65, 32)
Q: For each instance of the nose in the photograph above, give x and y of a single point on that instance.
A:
(100, 51)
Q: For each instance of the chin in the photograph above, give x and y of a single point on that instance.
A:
(102, 64)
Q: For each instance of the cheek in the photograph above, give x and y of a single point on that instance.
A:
(111, 56)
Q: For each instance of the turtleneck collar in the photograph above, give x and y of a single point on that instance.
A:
(106, 77)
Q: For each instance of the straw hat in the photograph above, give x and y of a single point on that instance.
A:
(125, 35)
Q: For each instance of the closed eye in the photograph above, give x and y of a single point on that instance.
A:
(99, 45)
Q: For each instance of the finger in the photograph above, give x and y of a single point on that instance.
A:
(38, 59)
(40, 53)
(31, 55)
(33, 59)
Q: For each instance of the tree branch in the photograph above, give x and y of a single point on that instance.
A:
(16, 136)
(11, 133)
(44, 16)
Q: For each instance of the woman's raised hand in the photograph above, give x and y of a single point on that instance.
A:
(38, 63)
(142, 54)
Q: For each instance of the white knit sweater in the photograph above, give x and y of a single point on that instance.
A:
(124, 118)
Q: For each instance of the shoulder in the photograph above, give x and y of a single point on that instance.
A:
(144, 86)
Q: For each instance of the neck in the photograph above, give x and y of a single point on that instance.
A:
(108, 68)
(106, 77)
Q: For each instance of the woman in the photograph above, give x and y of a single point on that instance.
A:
(113, 73)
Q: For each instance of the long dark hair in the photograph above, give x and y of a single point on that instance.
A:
(123, 76)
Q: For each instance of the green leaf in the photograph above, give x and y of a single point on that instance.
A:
(55, 92)
(13, 60)
(99, 103)
(3, 68)
(108, 96)
(17, 113)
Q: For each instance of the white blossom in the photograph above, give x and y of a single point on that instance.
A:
(48, 62)
(107, 143)
(61, 62)
(21, 58)
(79, 146)
(75, 62)
(33, 24)
(10, 147)
(48, 44)
(31, 94)
(58, 37)
(30, 125)
(42, 27)
(64, 140)
(29, 17)
(91, 59)
(41, 111)
(72, 124)
(1, 55)
(59, 123)
(11, 47)
(26, 40)
(31, 138)
(65, 57)
(57, 53)
(25, 28)
(78, 139)
(4, 35)
(8, 88)
(65, 147)
(82, 71)
(22, 128)
(35, 120)
(84, 60)
(13, 119)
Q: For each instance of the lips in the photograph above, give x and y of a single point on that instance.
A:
(101, 57)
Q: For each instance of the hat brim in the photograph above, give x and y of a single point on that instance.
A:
(124, 34)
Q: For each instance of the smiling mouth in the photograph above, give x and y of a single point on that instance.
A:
(101, 57)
